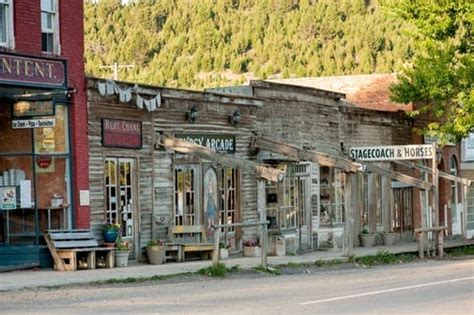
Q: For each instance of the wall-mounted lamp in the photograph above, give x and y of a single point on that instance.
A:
(234, 119)
(192, 115)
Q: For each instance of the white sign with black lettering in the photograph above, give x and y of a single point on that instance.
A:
(393, 152)
(34, 123)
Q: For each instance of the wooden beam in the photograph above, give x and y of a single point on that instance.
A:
(410, 180)
(460, 180)
(340, 162)
(201, 152)
(306, 155)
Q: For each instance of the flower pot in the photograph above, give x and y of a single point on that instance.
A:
(109, 236)
(252, 251)
(224, 253)
(389, 238)
(121, 259)
(368, 240)
(156, 254)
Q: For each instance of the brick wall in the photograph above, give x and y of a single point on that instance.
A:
(27, 26)
(72, 48)
(27, 29)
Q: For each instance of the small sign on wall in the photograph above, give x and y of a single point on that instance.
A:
(219, 143)
(34, 123)
(121, 133)
(84, 199)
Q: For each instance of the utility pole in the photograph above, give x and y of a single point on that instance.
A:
(115, 68)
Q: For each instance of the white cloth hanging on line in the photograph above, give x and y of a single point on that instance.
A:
(109, 87)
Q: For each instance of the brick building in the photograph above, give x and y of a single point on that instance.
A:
(43, 115)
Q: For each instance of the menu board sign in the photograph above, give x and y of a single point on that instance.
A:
(24, 108)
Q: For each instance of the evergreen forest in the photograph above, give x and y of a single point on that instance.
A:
(206, 43)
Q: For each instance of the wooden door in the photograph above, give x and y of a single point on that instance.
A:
(403, 211)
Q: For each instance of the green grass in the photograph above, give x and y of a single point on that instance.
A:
(382, 257)
(221, 270)
(467, 250)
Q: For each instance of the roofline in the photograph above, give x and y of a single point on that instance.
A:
(308, 90)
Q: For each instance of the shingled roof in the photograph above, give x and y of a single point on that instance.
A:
(370, 91)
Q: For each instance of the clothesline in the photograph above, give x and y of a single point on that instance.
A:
(109, 88)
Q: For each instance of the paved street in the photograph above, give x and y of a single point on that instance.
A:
(430, 287)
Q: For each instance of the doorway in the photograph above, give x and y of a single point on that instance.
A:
(121, 202)
(403, 212)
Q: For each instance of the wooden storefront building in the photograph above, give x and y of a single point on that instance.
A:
(148, 188)
(308, 208)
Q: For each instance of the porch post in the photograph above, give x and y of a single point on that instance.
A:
(435, 201)
(348, 244)
(262, 210)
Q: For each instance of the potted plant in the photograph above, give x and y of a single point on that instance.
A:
(367, 238)
(223, 251)
(251, 248)
(122, 251)
(110, 231)
(389, 238)
(155, 252)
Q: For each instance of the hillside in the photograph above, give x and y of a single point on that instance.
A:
(207, 43)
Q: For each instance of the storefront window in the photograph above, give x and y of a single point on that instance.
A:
(185, 196)
(53, 140)
(119, 191)
(228, 192)
(454, 191)
(287, 201)
(332, 196)
(34, 177)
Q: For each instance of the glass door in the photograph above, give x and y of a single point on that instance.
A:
(120, 194)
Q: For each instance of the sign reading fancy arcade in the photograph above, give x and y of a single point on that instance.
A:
(394, 152)
(121, 133)
(25, 70)
(218, 143)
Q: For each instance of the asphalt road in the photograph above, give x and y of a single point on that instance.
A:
(433, 287)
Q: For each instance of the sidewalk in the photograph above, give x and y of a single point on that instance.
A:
(47, 277)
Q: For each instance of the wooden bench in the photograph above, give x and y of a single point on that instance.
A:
(76, 248)
(188, 239)
(422, 239)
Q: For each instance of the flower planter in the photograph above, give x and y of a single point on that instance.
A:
(252, 251)
(156, 254)
(368, 240)
(109, 236)
(121, 259)
(389, 238)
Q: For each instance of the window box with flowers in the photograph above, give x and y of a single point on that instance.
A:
(155, 252)
(251, 248)
(122, 251)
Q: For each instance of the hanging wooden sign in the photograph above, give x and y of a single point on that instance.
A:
(393, 152)
(121, 133)
(218, 143)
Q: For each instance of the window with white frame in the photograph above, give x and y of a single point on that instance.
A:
(454, 190)
(49, 26)
(6, 23)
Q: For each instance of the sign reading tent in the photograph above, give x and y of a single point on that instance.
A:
(394, 152)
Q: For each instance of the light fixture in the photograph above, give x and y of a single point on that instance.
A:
(235, 117)
(192, 115)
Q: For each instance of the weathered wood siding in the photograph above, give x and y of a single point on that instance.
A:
(155, 165)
